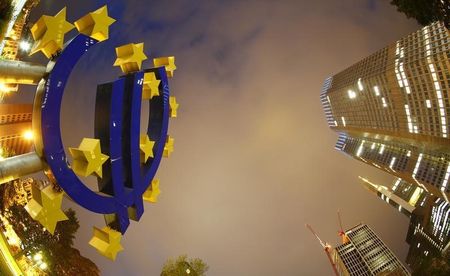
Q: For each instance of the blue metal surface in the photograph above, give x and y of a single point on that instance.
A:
(125, 178)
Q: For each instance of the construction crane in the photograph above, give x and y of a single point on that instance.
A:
(341, 230)
(326, 247)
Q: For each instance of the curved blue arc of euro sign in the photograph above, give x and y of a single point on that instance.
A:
(125, 178)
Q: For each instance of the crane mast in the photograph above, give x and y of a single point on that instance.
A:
(326, 247)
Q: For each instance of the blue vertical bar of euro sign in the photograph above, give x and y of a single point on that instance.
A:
(117, 165)
(135, 140)
(162, 124)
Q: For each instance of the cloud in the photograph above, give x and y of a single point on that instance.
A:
(254, 159)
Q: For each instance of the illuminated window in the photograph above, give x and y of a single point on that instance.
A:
(381, 149)
(428, 102)
(351, 94)
(360, 85)
(377, 90)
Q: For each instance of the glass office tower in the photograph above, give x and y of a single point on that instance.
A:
(366, 254)
(392, 109)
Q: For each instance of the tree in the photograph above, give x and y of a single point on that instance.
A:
(425, 11)
(60, 256)
(436, 266)
(5, 15)
(184, 266)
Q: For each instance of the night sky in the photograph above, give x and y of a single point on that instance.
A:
(254, 159)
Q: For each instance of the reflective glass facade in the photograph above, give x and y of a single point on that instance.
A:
(366, 254)
(392, 109)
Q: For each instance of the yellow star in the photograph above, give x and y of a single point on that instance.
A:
(146, 147)
(150, 87)
(95, 24)
(45, 207)
(168, 147)
(48, 33)
(173, 106)
(107, 242)
(130, 57)
(152, 193)
(88, 158)
(168, 63)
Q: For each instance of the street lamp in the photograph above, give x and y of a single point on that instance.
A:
(25, 46)
(28, 135)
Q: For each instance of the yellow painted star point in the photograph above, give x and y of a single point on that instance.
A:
(173, 106)
(130, 57)
(107, 242)
(96, 24)
(146, 147)
(152, 192)
(48, 33)
(168, 63)
(150, 86)
(168, 147)
(45, 207)
(88, 158)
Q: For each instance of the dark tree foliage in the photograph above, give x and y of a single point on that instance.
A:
(182, 265)
(436, 266)
(5, 15)
(425, 11)
(61, 258)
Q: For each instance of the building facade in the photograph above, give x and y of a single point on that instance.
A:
(15, 123)
(392, 109)
(429, 227)
(366, 254)
(12, 40)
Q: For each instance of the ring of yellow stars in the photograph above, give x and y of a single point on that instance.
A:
(48, 33)
(150, 87)
(95, 24)
(168, 63)
(45, 207)
(152, 192)
(146, 147)
(130, 57)
(107, 242)
(173, 106)
(168, 147)
(88, 158)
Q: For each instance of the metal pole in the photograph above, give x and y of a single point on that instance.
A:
(14, 167)
(20, 72)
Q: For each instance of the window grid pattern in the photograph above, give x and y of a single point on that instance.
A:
(352, 261)
(404, 87)
(432, 168)
(377, 256)
(15, 118)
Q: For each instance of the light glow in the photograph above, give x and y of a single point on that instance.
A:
(25, 45)
(377, 90)
(381, 149)
(445, 182)
(360, 85)
(28, 135)
(351, 94)
(360, 149)
(384, 102)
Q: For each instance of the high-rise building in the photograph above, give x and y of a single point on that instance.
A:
(392, 109)
(429, 228)
(366, 254)
(15, 129)
(10, 45)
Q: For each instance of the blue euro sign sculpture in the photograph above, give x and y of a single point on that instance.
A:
(124, 160)
(117, 126)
